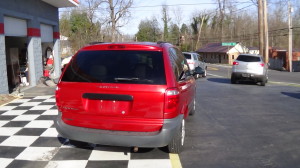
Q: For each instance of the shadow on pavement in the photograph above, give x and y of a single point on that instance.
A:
(227, 81)
(294, 95)
(219, 80)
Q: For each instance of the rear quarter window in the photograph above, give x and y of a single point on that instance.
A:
(138, 67)
(179, 64)
(187, 56)
(248, 58)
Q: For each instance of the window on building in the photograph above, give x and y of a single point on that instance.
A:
(232, 56)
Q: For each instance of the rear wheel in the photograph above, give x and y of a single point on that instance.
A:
(263, 82)
(233, 79)
(176, 144)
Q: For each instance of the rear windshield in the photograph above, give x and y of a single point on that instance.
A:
(187, 56)
(139, 67)
(248, 58)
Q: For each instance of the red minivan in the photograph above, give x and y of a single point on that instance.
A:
(126, 94)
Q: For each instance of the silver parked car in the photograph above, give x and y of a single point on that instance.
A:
(249, 67)
(195, 60)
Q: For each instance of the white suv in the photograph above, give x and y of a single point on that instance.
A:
(249, 67)
(195, 60)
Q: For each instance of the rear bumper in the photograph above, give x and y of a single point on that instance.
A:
(120, 138)
(248, 76)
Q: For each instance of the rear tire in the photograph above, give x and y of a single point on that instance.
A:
(233, 79)
(263, 82)
(176, 144)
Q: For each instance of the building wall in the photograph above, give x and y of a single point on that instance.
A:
(35, 12)
(30, 9)
(215, 58)
(224, 58)
(221, 58)
(232, 57)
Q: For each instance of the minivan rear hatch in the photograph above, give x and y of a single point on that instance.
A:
(120, 90)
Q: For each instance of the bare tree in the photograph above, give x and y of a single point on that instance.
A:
(203, 19)
(177, 11)
(166, 19)
(119, 14)
(92, 7)
(221, 6)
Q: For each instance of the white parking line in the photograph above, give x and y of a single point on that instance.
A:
(286, 83)
(216, 75)
(273, 82)
(217, 65)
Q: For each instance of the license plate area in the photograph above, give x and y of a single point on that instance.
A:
(245, 75)
(107, 104)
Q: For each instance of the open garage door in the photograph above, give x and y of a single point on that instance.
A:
(15, 27)
(46, 33)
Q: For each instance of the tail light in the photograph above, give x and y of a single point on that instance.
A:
(171, 103)
(57, 95)
(262, 64)
(235, 63)
(116, 46)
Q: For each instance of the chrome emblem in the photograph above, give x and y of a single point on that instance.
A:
(108, 87)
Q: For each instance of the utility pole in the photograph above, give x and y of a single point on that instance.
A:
(260, 27)
(266, 32)
(290, 37)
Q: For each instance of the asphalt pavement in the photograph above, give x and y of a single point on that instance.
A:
(221, 70)
(243, 125)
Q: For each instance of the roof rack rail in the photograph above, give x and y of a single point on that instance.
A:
(161, 42)
(95, 42)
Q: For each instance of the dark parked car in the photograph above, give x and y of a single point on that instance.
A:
(126, 94)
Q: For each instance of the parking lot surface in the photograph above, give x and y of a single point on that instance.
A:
(28, 138)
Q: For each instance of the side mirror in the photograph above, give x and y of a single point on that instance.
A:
(199, 71)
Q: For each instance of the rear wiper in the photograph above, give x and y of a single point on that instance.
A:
(126, 79)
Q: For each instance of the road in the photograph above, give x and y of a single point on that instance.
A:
(274, 76)
(235, 126)
(244, 125)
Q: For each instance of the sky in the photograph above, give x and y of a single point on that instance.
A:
(142, 12)
(188, 7)
(147, 9)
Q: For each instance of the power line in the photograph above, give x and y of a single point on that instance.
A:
(189, 4)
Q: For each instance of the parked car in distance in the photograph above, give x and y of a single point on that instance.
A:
(65, 61)
(126, 94)
(195, 60)
(249, 67)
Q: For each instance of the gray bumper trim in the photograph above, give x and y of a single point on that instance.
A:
(254, 77)
(120, 138)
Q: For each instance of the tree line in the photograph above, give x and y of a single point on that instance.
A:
(230, 21)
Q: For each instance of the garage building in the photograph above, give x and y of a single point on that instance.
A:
(29, 35)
